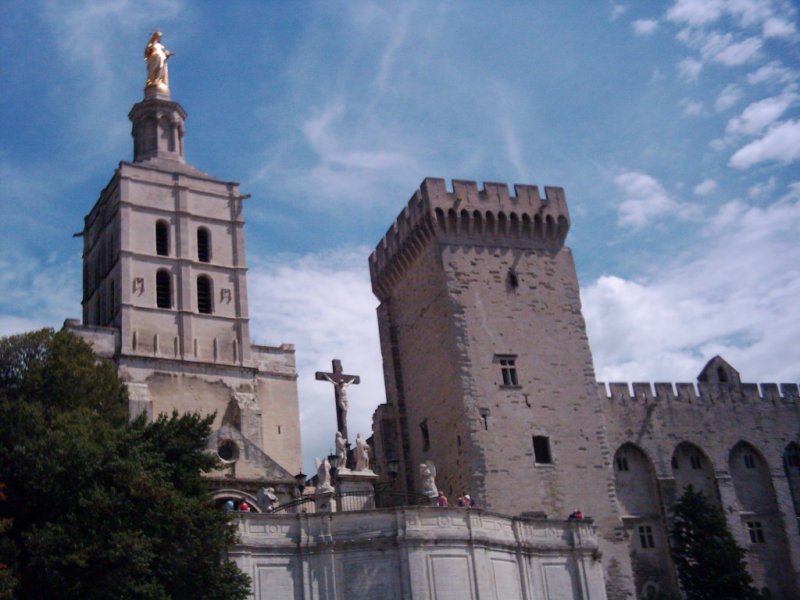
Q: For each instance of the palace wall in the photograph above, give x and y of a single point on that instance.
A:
(735, 442)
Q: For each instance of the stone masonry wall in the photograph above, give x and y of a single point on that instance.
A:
(719, 423)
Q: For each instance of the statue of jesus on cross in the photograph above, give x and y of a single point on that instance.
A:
(340, 383)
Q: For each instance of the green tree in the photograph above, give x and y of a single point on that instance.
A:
(101, 508)
(709, 562)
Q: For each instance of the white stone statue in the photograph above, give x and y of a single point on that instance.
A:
(267, 498)
(362, 454)
(427, 473)
(156, 57)
(341, 450)
(323, 475)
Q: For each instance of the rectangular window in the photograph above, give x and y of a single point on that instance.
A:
(756, 532)
(622, 463)
(646, 538)
(426, 436)
(508, 369)
(541, 450)
(697, 462)
(749, 461)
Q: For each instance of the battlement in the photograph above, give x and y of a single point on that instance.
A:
(488, 216)
(643, 394)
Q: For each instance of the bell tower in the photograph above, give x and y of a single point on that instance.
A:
(165, 296)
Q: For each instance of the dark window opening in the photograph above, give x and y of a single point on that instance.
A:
(646, 538)
(228, 451)
(513, 279)
(722, 375)
(749, 461)
(203, 245)
(426, 436)
(162, 238)
(541, 450)
(204, 295)
(163, 290)
(756, 532)
(696, 461)
(675, 462)
(622, 463)
(508, 370)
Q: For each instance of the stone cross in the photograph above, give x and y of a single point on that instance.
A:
(340, 383)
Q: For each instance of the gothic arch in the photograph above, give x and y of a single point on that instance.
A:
(751, 479)
(221, 496)
(465, 222)
(489, 228)
(514, 225)
(642, 516)
(477, 220)
(636, 483)
(440, 220)
(691, 466)
(763, 527)
(791, 466)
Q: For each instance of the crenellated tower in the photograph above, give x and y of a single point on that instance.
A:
(487, 363)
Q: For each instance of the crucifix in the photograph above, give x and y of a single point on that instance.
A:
(340, 383)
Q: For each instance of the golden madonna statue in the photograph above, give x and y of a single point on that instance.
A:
(156, 57)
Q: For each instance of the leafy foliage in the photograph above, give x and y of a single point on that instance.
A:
(102, 508)
(709, 562)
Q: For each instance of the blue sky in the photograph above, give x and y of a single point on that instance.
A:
(674, 128)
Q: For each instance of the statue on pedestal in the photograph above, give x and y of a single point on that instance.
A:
(427, 473)
(267, 499)
(324, 475)
(362, 454)
(156, 55)
(341, 450)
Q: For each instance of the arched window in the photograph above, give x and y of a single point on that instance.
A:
(204, 299)
(163, 289)
(162, 238)
(203, 244)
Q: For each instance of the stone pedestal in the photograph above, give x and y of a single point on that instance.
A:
(356, 489)
(325, 501)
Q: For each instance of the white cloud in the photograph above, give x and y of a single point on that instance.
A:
(723, 49)
(644, 199)
(323, 304)
(759, 115)
(348, 168)
(728, 97)
(772, 72)
(691, 107)
(779, 28)
(689, 69)
(698, 13)
(617, 10)
(737, 298)
(644, 27)
(705, 188)
(781, 144)
(739, 53)
(695, 12)
(762, 188)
